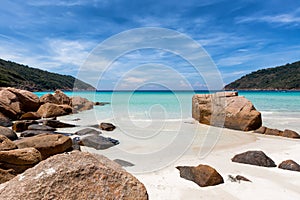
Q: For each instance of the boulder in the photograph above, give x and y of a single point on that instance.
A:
(76, 175)
(81, 104)
(289, 165)
(6, 175)
(19, 159)
(203, 175)
(98, 142)
(20, 126)
(15, 102)
(258, 158)
(61, 97)
(10, 134)
(48, 98)
(107, 126)
(47, 144)
(30, 133)
(38, 127)
(53, 110)
(30, 116)
(57, 124)
(6, 144)
(88, 131)
(290, 134)
(226, 109)
(271, 131)
(5, 121)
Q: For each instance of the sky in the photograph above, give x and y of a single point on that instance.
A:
(62, 36)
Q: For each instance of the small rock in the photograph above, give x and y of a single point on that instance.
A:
(290, 134)
(38, 127)
(10, 134)
(4, 121)
(88, 131)
(20, 126)
(57, 124)
(101, 103)
(124, 163)
(98, 142)
(19, 159)
(30, 116)
(6, 175)
(30, 133)
(258, 158)
(6, 144)
(107, 126)
(242, 178)
(47, 144)
(289, 165)
(270, 131)
(203, 175)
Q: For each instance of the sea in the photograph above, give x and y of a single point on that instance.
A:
(280, 109)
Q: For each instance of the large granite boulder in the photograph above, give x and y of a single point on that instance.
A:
(6, 144)
(61, 97)
(81, 104)
(49, 98)
(48, 110)
(258, 158)
(47, 144)
(19, 159)
(76, 175)
(15, 102)
(226, 109)
(5, 121)
(289, 165)
(203, 175)
(10, 134)
(20, 126)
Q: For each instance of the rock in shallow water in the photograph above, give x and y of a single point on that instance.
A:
(203, 175)
(71, 176)
(258, 158)
(107, 126)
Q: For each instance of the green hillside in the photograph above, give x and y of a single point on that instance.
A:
(285, 77)
(23, 77)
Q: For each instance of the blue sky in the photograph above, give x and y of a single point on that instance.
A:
(240, 36)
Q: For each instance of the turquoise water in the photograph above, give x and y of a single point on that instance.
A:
(279, 109)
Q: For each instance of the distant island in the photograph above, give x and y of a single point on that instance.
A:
(286, 77)
(23, 77)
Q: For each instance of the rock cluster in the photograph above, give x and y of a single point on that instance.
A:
(226, 109)
(269, 131)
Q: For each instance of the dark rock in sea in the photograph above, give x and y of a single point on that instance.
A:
(98, 142)
(48, 110)
(38, 127)
(107, 126)
(124, 163)
(57, 124)
(19, 159)
(10, 134)
(88, 131)
(30, 133)
(5, 121)
(49, 98)
(47, 144)
(289, 165)
(76, 175)
(101, 103)
(271, 131)
(20, 126)
(226, 109)
(61, 97)
(290, 134)
(203, 175)
(81, 104)
(76, 119)
(261, 130)
(6, 175)
(258, 158)
(30, 116)
(6, 144)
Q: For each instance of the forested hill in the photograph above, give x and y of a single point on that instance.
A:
(285, 77)
(23, 77)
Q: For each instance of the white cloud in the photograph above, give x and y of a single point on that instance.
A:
(275, 19)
